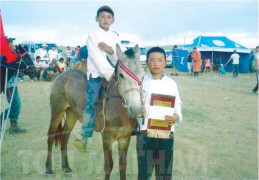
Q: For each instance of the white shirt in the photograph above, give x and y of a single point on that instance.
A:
(97, 63)
(257, 60)
(165, 86)
(53, 55)
(235, 58)
(42, 53)
(38, 64)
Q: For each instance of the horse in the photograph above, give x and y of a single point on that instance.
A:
(23, 62)
(121, 108)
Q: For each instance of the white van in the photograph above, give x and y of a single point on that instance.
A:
(32, 46)
(131, 45)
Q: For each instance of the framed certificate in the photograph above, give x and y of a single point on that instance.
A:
(161, 105)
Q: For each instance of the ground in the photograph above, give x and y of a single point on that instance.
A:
(218, 138)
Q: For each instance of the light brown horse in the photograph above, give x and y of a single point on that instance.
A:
(68, 96)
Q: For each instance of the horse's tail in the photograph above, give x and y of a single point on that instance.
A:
(58, 135)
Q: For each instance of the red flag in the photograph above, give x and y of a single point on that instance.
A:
(5, 50)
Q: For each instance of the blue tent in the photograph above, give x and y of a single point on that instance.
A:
(216, 48)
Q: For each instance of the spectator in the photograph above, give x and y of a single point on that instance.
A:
(39, 68)
(235, 64)
(68, 53)
(53, 54)
(216, 65)
(196, 57)
(42, 52)
(15, 106)
(255, 89)
(252, 62)
(61, 66)
(222, 70)
(207, 64)
(189, 63)
(174, 61)
(77, 53)
(50, 73)
(83, 53)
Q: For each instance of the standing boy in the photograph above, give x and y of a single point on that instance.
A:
(157, 152)
(102, 57)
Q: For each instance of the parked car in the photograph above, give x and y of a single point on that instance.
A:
(32, 46)
(143, 50)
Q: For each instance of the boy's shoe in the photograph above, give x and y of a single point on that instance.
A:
(80, 145)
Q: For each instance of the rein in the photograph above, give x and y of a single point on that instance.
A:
(21, 60)
(130, 73)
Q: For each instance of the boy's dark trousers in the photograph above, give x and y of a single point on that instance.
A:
(154, 152)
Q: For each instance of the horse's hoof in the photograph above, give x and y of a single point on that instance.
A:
(68, 171)
(48, 173)
(69, 174)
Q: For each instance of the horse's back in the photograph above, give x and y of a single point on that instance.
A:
(69, 90)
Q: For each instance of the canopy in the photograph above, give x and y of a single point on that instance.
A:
(216, 43)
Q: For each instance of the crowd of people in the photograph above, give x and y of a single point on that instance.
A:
(48, 63)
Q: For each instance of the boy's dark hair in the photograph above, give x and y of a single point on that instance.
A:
(156, 49)
(104, 9)
(37, 57)
(175, 46)
(61, 59)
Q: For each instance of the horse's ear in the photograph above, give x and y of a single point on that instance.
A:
(120, 54)
(21, 49)
(137, 50)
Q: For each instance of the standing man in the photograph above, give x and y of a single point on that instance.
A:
(53, 54)
(256, 68)
(15, 106)
(174, 61)
(235, 64)
(42, 52)
(196, 57)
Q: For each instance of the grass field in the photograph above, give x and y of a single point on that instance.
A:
(218, 138)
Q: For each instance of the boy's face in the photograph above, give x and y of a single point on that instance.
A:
(156, 63)
(105, 20)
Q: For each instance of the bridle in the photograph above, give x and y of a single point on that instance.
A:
(134, 77)
(22, 60)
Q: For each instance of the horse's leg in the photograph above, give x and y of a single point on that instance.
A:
(68, 127)
(123, 145)
(107, 150)
(52, 133)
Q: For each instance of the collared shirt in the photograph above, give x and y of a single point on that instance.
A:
(97, 63)
(165, 86)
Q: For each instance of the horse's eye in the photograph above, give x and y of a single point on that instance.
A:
(121, 75)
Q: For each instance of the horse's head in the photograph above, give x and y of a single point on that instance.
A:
(130, 73)
(26, 62)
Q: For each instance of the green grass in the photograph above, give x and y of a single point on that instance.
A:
(218, 138)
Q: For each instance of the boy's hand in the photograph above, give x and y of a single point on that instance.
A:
(103, 46)
(171, 119)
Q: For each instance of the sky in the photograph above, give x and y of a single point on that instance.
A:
(149, 22)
